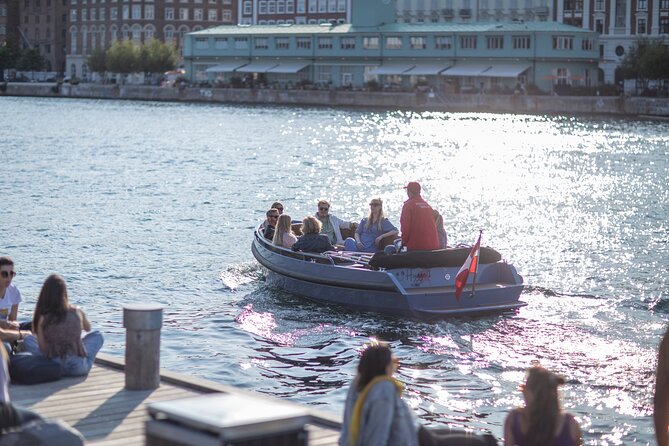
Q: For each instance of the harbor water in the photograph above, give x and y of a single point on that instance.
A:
(156, 202)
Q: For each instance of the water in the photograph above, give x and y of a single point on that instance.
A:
(141, 201)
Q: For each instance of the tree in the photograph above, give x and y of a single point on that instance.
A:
(10, 51)
(158, 57)
(123, 57)
(97, 61)
(30, 60)
(646, 59)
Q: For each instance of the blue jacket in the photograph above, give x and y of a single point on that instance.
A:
(386, 419)
(313, 243)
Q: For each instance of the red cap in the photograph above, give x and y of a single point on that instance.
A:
(413, 187)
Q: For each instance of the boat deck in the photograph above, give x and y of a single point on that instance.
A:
(107, 414)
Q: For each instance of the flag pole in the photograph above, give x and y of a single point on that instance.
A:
(478, 258)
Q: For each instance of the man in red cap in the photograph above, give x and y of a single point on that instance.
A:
(419, 231)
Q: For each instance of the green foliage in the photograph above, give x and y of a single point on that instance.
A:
(157, 57)
(10, 52)
(123, 57)
(97, 61)
(30, 60)
(647, 59)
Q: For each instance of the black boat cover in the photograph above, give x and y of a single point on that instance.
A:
(431, 259)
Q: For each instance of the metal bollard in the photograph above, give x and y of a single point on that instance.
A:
(142, 345)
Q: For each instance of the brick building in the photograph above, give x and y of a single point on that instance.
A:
(300, 12)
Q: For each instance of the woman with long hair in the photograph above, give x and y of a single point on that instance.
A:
(58, 328)
(376, 415)
(311, 239)
(371, 230)
(541, 422)
(283, 234)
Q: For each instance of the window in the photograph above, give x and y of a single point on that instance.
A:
(621, 13)
(183, 13)
(443, 42)
(169, 13)
(341, 5)
(201, 43)
(262, 7)
(271, 7)
(136, 12)
(370, 43)
(521, 42)
(73, 15)
(212, 15)
(418, 42)
(347, 43)
(261, 43)
(113, 13)
(642, 5)
(226, 16)
(562, 76)
(599, 25)
(468, 42)
(198, 14)
(301, 6)
(494, 42)
(282, 43)
(664, 4)
(563, 42)
(221, 43)
(322, 5)
(281, 7)
(325, 43)
(323, 74)
(573, 5)
(393, 43)
(126, 12)
(241, 43)
(102, 14)
(290, 6)
(247, 7)
(587, 44)
(303, 43)
(664, 25)
(599, 5)
(93, 12)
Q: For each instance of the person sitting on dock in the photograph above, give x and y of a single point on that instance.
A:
(10, 416)
(312, 240)
(419, 231)
(270, 223)
(58, 327)
(541, 421)
(375, 414)
(283, 235)
(331, 225)
(371, 230)
(10, 297)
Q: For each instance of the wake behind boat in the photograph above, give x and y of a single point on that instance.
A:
(418, 284)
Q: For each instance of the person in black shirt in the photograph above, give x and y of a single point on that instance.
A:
(270, 224)
(311, 239)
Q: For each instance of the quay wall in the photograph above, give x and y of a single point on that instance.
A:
(610, 105)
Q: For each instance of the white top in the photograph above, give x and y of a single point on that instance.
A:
(12, 297)
(4, 379)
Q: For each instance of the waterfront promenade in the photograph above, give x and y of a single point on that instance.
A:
(107, 414)
(569, 105)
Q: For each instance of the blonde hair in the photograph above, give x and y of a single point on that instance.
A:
(310, 225)
(371, 215)
(283, 226)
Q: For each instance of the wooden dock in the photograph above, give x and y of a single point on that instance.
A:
(107, 414)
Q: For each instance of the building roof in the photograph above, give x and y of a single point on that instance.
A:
(403, 28)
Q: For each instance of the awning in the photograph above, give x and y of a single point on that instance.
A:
(466, 70)
(427, 69)
(226, 67)
(506, 70)
(257, 67)
(288, 67)
(391, 69)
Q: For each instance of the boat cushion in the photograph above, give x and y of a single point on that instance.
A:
(449, 257)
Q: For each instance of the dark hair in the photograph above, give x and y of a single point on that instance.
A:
(543, 407)
(6, 261)
(373, 363)
(271, 211)
(52, 301)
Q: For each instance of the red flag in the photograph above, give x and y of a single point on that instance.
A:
(470, 266)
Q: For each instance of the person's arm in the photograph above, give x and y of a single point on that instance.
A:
(85, 323)
(13, 313)
(388, 230)
(508, 429)
(41, 340)
(661, 397)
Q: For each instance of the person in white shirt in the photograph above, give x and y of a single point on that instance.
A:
(10, 296)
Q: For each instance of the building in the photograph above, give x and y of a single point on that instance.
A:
(620, 24)
(300, 12)
(94, 24)
(9, 19)
(469, 11)
(447, 56)
(41, 26)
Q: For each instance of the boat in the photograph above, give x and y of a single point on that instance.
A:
(416, 284)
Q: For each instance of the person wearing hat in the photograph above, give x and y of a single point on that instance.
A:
(419, 231)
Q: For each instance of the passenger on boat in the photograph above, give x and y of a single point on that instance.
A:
(441, 232)
(312, 240)
(541, 421)
(10, 297)
(376, 415)
(417, 221)
(331, 225)
(661, 399)
(371, 230)
(278, 206)
(283, 235)
(59, 329)
(270, 223)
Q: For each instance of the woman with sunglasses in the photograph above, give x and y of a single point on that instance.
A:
(58, 328)
(371, 230)
(10, 297)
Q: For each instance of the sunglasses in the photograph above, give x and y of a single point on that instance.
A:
(6, 274)
(323, 209)
(279, 209)
(273, 216)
